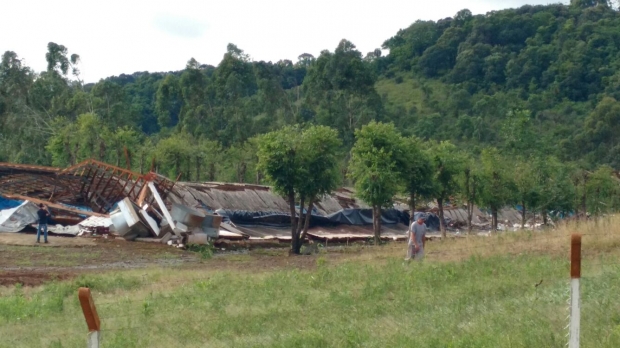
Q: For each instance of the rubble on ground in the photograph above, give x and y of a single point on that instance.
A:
(95, 199)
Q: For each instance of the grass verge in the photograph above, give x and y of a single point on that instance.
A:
(473, 292)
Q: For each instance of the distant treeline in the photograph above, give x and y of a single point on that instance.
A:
(531, 82)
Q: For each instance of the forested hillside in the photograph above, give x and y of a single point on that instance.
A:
(538, 80)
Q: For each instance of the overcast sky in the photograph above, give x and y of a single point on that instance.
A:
(114, 37)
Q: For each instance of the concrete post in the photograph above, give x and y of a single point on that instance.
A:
(92, 340)
(575, 301)
(92, 318)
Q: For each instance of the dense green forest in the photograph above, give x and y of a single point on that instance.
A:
(533, 81)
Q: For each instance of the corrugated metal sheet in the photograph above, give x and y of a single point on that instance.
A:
(340, 232)
(460, 215)
(253, 198)
(343, 232)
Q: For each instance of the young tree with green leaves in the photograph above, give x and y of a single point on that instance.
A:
(527, 191)
(556, 192)
(300, 163)
(376, 166)
(208, 157)
(416, 173)
(603, 189)
(240, 162)
(278, 158)
(123, 139)
(470, 186)
(320, 169)
(498, 187)
(63, 145)
(579, 179)
(173, 155)
(72, 142)
(447, 164)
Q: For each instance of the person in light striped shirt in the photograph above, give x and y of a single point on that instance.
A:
(417, 240)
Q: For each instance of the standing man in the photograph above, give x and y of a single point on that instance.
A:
(43, 214)
(417, 240)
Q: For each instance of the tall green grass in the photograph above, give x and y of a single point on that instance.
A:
(479, 302)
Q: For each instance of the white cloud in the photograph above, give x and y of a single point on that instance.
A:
(115, 36)
(180, 26)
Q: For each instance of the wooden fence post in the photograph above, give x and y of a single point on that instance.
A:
(91, 317)
(575, 301)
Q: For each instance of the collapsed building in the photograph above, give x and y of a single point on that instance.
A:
(256, 212)
(97, 198)
(90, 197)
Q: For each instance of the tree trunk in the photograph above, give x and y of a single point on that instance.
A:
(241, 173)
(212, 175)
(141, 162)
(307, 220)
(73, 159)
(127, 157)
(411, 208)
(523, 215)
(188, 176)
(470, 199)
(544, 214)
(376, 222)
(101, 150)
(197, 169)
(300, 221)
(294, 235)
(442, 223)
(493, 220)
(584, 208)
(470, 216)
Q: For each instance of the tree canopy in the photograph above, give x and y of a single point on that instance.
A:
(534, 87)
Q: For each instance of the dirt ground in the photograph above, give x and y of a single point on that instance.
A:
(25, 262)
(28, 239)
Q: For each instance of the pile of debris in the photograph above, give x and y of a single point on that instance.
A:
(94, 198)
(97, 199)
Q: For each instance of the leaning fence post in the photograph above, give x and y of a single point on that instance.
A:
(575, 274)
(91, 317)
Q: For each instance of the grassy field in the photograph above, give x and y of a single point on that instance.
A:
(470, 292)
(409, 93)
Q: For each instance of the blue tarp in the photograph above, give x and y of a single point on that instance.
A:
(9, 203)
(359, 217)
(13, 203)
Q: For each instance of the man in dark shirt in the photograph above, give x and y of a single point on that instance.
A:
(43, 214)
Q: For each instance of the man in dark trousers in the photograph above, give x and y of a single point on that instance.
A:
(43, 214)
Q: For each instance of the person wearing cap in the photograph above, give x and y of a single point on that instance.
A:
(417, 240)
(43, 214)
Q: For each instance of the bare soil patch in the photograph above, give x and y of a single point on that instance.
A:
(29, 239)
(30, 264)
(31, 278)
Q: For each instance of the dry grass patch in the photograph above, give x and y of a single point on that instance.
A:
(470, 292)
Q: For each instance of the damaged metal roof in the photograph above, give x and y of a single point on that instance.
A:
(254, 198)
(91, 183)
